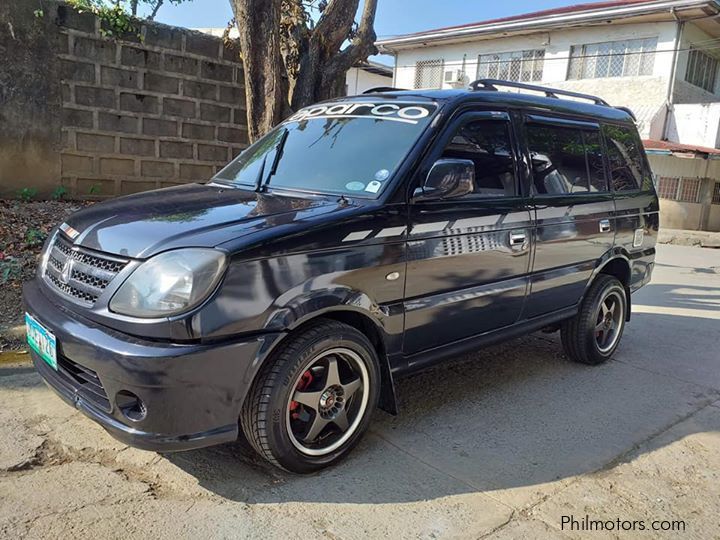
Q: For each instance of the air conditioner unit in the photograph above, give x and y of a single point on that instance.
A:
(454, 76)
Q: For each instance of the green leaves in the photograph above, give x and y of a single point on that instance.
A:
(27, 194)
(118, 17)
(34, 237)
(10, 268)
(59, 193)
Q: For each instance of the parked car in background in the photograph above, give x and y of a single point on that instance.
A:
(362, 239)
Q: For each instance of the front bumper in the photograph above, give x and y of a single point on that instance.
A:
(191, 393)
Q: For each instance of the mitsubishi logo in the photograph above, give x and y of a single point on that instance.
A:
(67, 270)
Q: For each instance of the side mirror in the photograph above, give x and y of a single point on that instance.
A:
(447, 179)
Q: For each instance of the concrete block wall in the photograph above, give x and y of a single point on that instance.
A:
(161, 108)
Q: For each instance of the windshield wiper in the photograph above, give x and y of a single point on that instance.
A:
(260, 174)
(279, 149)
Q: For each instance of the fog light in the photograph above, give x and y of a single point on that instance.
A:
(132, 407)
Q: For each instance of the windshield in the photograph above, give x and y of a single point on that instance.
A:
(349, 148)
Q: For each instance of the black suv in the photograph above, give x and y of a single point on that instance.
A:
(362, 239)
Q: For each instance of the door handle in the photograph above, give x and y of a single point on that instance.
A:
(604, 225)
(517, 239)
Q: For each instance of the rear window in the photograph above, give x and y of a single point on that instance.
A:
(628, 170)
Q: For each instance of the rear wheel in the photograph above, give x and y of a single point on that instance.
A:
(313, 400)
(592, 336)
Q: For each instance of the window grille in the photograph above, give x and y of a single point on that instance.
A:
(628, 58)
(668, 188)
(429, 73)
(716, 193)
(702, 70)
(680, 189)
(518, 66)
(689, 190)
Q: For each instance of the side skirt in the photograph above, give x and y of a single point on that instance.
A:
(431, 357)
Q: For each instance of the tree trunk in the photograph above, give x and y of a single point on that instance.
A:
(288, 65)
(266, 85)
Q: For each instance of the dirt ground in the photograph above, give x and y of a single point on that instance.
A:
(24, 226)
(509, 442)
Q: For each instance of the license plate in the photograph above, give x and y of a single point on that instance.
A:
(41, 340)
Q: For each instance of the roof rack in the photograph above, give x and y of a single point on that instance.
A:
(492, 84)
(377, 89)
(629, 111)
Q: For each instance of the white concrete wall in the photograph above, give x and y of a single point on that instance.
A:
(557, 51)
(682, 215)
(697, 123)
(714, 219)
(683, 167)
(358, 80)
(646, 95)
(685, 92)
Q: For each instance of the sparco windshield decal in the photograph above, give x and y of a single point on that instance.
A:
(408, 113)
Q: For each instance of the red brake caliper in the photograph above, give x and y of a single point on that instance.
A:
(305, 380)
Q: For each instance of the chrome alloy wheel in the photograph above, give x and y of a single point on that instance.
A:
(328, 402)
(609, 321)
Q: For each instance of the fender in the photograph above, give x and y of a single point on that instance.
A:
(614, 254)
(381, 324)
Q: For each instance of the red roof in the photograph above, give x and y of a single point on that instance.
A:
(544, 13)
(651, 144)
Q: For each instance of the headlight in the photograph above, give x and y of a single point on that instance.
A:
(169, 283)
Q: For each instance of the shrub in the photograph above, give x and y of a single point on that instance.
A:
(59, 193)
(27, 194)
(34, 237)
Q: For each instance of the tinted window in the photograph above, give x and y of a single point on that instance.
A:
(350, 148)
(558, 159)
(487, 144)
(596, 165)
(627, 166)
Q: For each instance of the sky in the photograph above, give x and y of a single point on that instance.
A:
(394, 17)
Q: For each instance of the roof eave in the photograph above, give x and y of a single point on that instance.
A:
(541, 23)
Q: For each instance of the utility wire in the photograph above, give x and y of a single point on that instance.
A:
(571, 57)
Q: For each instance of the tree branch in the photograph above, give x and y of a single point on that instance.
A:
(335, 23)
(359, 49)
(156, 7)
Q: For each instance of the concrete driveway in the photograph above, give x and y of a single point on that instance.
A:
(501, 443)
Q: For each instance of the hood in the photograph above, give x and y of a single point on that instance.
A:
(196, 215)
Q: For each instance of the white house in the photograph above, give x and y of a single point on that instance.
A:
(661, 58)
(367, 75)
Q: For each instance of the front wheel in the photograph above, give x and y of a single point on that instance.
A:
(592, 336)
(313, 400)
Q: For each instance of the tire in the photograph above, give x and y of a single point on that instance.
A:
(301, 414)
(592, 336)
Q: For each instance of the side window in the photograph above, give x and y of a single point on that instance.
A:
(627, 166)
(558, 159)
(487, 144)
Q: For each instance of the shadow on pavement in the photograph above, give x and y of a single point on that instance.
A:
(679, 296)
(517, 415)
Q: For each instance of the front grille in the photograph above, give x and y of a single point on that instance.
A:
(85, 380)
(78, 273)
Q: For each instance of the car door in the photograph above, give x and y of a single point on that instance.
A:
(468, 257)
(636, 203)
(573, 209)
